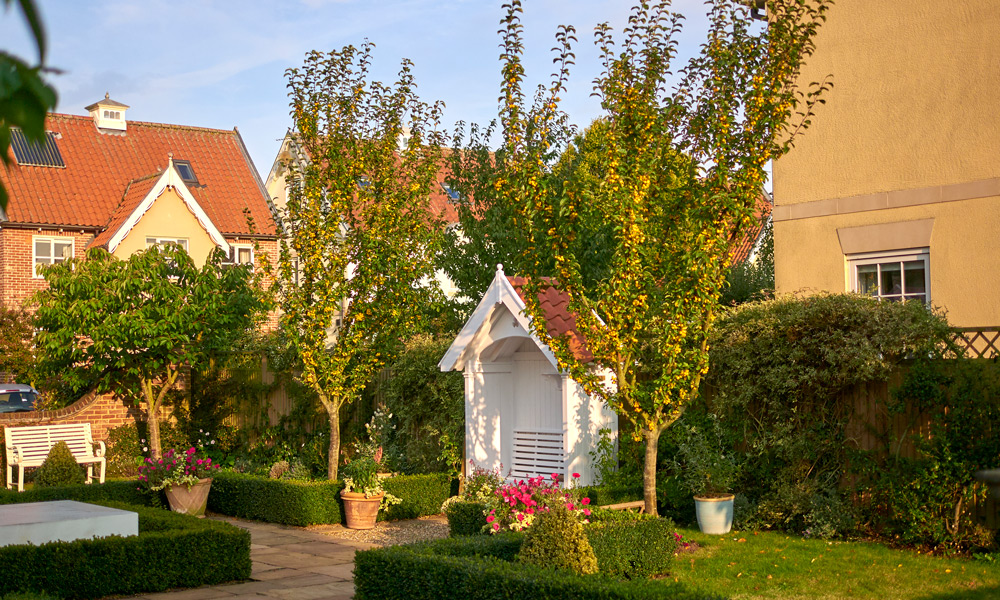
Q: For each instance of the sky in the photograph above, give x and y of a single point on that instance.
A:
(221, 64)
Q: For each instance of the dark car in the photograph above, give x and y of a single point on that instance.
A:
(17, 397)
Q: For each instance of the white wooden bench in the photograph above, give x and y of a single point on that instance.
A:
(29, 446)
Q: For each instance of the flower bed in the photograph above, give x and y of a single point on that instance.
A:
(483, 568)
(170, 551)
(316, 502)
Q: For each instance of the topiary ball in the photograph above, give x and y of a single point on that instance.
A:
(59, 468)
(556, 539)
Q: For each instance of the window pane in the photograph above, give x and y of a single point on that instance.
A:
(43, 249)
(243, 255)
(916, 280)
(892, 280)
(183, 244)
(868, 279)
(63, 250)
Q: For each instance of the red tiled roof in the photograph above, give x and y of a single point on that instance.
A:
(558, 318)
(137, 190)
(100, 167)
(741, 250)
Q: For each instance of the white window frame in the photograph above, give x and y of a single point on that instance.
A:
(161, 241)
(236, 254)
(52, 258)
(892, 256)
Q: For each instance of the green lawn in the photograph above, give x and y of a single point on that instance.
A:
(774, 565)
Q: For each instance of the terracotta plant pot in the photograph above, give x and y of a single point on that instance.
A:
(190, 501)
(360, 512)
(715, 513)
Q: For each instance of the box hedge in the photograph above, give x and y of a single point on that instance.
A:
(303, 503)
(481, 568)
(466, 518)
(112, 490)
(171, 551)
(635, 549)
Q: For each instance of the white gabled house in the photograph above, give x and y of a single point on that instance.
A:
(521, 411)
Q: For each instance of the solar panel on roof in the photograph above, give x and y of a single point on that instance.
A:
(34, 154)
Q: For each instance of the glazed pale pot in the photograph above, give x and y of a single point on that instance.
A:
(715, 513)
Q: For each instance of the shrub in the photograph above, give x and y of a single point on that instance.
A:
(776, 375)
(557, 540)
(302, 503)
(275, 500)
(420, 494)
(170, 551)
(481, 568)
(121, 491)
(59, 468)
(466, 518)
(278, 469)
(429, 407)
(603, 495)
(635, 547)
(127, 446)
(28, 596)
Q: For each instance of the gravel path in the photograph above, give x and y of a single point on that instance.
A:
(391, 533)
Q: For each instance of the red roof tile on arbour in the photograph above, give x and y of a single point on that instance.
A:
(103, 168)
(558, 318)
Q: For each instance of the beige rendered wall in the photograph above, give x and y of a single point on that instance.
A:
(168, 217)
(914, 109)
(914, 102)
(964, 259)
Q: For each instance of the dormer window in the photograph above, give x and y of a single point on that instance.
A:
(186, 171)
(108, 114)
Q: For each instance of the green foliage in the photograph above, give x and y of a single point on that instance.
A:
(429, 407)
(275, 500)
(25, 98)
(668, 224)
(421, 495)
(170, 551)
(302, 503)
(633, 549)
(778, 368)
(357, 223)
(130, 326)
(466, 518)
(705, 464)
(604, 494)
(112, 490)
(750, 281)
(483, 568)
(17, 348)
(556, 540)
(922, 497)
(28, 596)
(127, 446)
(59, 468)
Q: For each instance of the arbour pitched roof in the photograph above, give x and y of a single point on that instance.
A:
(101, 169)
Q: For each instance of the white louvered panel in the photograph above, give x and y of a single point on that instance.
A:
(538, 453)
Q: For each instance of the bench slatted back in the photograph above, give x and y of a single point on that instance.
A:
(36, 442)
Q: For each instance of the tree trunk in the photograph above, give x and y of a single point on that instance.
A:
(652, 437)
(153, 425)
(334, 458)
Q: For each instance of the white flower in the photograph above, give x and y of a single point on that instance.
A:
(145, 449)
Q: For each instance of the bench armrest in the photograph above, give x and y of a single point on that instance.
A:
(101, 449)
(16, 457)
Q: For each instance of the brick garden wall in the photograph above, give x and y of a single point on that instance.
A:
(16, 264)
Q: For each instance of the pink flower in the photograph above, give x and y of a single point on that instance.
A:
(576, 475)
(570, 506)
(586, 512)
(530, 511)
(490, 519)
(585, 501)
(520, 517)
(496, 527)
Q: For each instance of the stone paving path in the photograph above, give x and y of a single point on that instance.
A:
(289, 563)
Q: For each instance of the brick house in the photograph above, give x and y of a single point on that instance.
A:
(103, 181)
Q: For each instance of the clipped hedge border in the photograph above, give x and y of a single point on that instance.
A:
(302, 503)
(474, 567)
(601, 495)
(112, 490)
(466, 518)
(171, 551)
